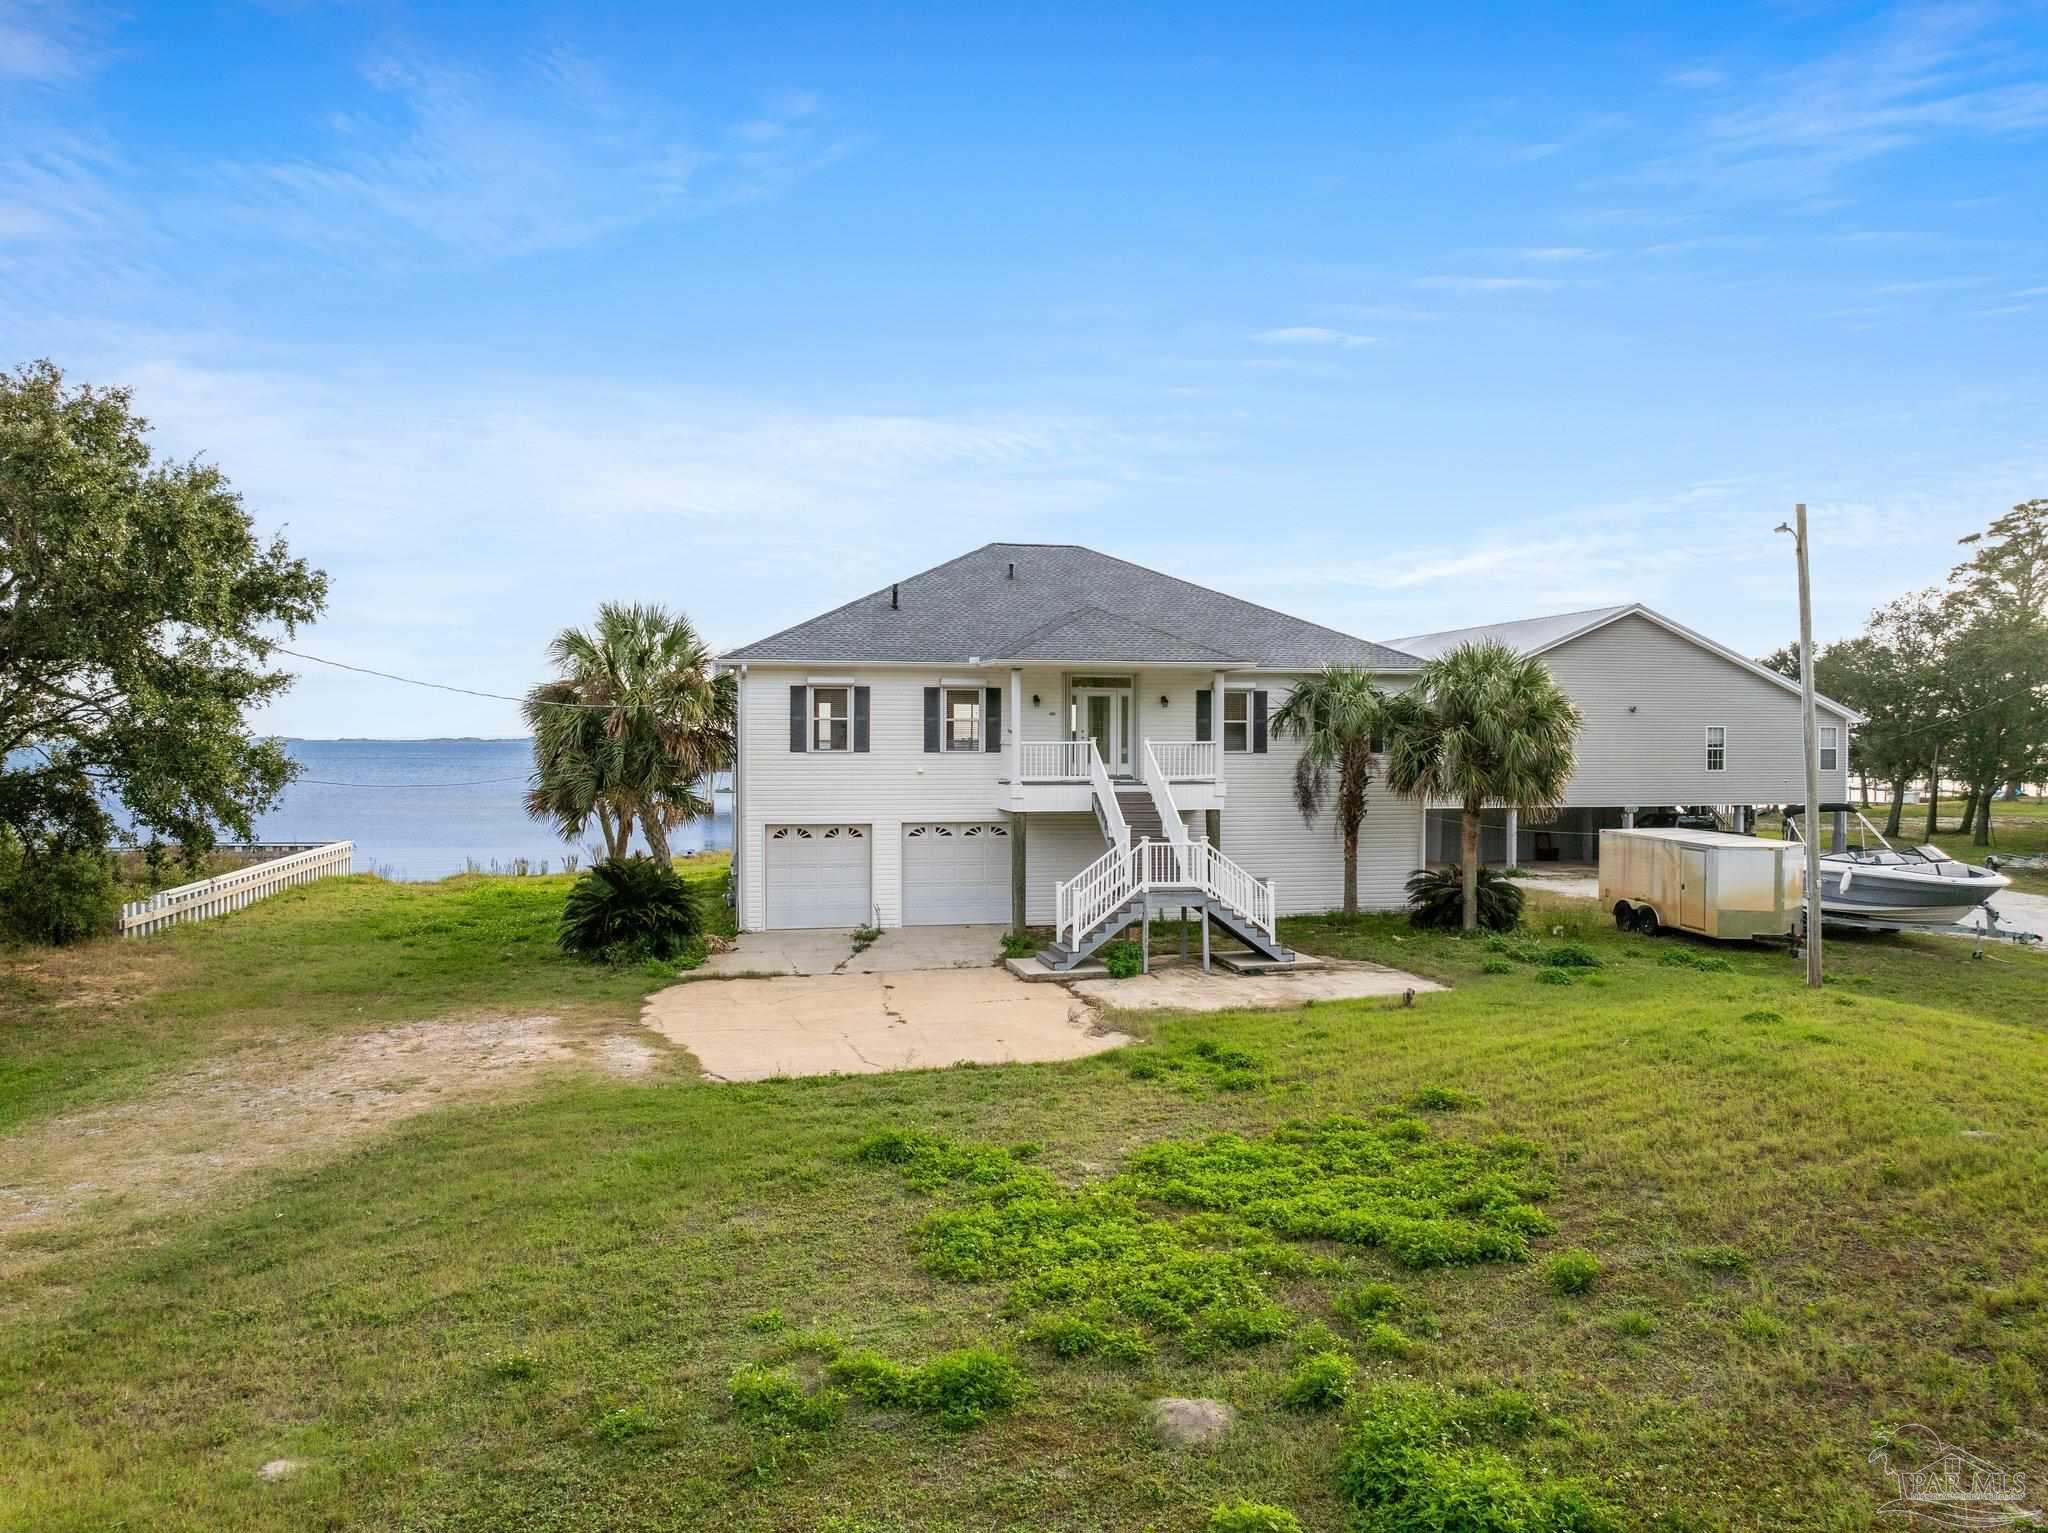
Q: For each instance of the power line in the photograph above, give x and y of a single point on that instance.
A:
(438, 686)
(481, 782)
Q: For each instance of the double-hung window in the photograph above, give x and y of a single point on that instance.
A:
(1717, 747)
(1237, 721)
(831, 718)
(1830, 747)
(963, 718)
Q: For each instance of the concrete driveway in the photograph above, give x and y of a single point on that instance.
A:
(896, 951)
(866, 1023)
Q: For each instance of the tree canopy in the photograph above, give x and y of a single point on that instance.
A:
(1337, 714)
(1953, 679)
(631, 729)
(1483, 725)
(138, 610)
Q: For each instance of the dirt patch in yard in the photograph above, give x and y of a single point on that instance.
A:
(275, 1105)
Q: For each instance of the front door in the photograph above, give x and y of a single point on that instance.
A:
(1692, 888)
(1102, 714)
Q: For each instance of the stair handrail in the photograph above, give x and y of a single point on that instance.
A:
(1108, 811)
(1104, 886)
(1238, 888)
(1162, 797)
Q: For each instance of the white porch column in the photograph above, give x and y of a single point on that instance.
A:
(1017, 734)
(1628, 818)
(1514, 832)
(1216, 725)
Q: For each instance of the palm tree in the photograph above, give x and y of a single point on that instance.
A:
(631, 729)
(1336, 714)
(1482, 725)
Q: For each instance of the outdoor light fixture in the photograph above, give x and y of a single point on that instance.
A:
(1162, 699)
(1034, 699)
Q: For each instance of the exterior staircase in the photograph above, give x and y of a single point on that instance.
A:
(1150, 866)
(1141, 815)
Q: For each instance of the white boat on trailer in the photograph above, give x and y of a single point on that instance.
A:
(1876, 885)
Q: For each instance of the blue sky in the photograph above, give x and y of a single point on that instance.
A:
(1395, 322)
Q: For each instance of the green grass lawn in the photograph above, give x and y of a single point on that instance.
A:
(1809, 1218)
(86, 1025)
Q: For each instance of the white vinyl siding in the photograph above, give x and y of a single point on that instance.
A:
(893, 783)
(1649, 694)
(1263, 831)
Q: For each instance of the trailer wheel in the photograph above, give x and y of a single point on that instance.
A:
(1646, 921)
(1624, 916)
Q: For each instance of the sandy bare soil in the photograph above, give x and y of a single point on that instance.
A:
(275, 1106)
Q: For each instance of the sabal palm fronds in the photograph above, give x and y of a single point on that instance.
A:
(649, 727)
(1337, 715)
(1483, 725)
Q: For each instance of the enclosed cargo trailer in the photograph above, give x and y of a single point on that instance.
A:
(1707, 882)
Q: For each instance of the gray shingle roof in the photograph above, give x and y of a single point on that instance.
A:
(1064, 602)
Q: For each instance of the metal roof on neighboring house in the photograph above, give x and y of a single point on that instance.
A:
(1060, 601)
(1528, 636)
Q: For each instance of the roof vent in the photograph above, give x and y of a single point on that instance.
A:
(1013, 570)
(892, 596)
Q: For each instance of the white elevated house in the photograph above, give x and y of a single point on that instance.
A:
(1671, 719)
(1042, 734)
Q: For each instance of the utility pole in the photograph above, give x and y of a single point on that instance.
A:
(1812, 836)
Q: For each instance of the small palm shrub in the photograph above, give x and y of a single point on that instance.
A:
(1436, 899)
(629, 908)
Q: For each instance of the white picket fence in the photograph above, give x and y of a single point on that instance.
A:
(231, 891)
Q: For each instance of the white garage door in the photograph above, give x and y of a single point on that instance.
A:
(818, 876)
(955, 873)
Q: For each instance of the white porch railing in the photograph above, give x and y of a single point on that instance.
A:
(1119, 876)
(1055, 760)
(231, 891)
(1237, 888)
(1084, 901)
(1185, 760)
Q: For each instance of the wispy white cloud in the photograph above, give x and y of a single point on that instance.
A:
(1315, 335)
(1560, 254)
(1698, 77)
(45, 42)
(558, 157)
(1923, 74)
(466, 517)
(1454, 283)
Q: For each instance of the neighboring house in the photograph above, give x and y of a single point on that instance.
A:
(1671, 718)
(984, 741)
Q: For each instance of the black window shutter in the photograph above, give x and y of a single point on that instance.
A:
(798, 730)
(992, 721)
(860, 718)
(1204, 701)
(1259, 723)
(931, 718)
